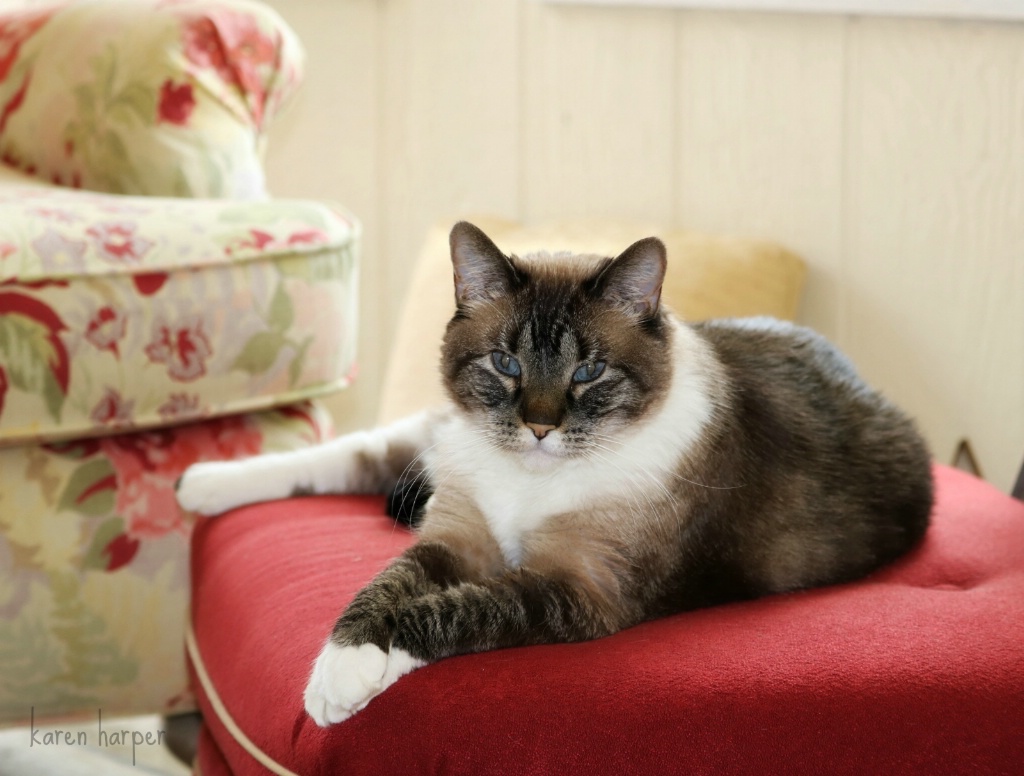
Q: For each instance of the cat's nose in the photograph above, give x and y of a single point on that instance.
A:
(540, 430)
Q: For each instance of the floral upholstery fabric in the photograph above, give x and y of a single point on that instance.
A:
(132, 312)
(94, 562)
(141, 334)
(161, 97)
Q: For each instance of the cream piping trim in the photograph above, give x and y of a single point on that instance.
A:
(222, 713)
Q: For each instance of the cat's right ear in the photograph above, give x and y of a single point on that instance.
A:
(482, 272)
(634, 279)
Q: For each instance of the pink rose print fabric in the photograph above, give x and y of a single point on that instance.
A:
(106, 328)
(176, 103)
(119, 242)
(113, 409)
(212, 306)
(157, 98)
(59, 253)
(94, 563)
(182, 346)
(237, 49)
(147, 464)
(179, 405)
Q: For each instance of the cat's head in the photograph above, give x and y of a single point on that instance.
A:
(551, 356)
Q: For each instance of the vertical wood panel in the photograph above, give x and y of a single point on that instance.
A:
(450, 120)
(760, 138)
(324, 146)
(598, 117)
(448, 134)
(935, 253)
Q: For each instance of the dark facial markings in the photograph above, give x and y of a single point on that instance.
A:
(549, 355)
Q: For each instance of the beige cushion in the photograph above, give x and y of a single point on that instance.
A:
(708, 277)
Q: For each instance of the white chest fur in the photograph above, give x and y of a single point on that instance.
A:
(633, 471)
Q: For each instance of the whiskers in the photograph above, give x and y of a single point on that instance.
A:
(633, 493)
(416, 468)
(409, 468)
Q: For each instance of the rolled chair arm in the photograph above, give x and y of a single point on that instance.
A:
(145, 96)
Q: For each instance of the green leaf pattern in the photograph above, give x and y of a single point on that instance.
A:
(105, 106)
(260, 352)
(90, 490)
(263, 349)
(28, 356)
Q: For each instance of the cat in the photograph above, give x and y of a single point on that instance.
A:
(599, 463)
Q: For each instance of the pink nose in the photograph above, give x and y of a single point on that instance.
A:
(540, 430)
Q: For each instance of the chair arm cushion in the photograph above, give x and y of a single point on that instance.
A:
(125, 313)
(144, 97)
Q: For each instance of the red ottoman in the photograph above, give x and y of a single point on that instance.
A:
(919, 669)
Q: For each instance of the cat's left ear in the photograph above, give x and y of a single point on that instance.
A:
(635, 277)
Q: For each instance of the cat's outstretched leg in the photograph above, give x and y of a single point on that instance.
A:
(405, 620)
(359, 662)
(519, 608)
(363, 462)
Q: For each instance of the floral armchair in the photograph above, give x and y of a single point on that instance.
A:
(156, 309)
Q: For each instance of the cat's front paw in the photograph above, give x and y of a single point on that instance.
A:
(346, 678)
(212, 488)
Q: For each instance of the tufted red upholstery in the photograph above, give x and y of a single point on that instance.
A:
(919, 669)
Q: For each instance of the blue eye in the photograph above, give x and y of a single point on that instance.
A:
(506, 364)
(588, 371)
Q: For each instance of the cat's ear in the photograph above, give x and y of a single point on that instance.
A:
(482, 271)
(635, 277)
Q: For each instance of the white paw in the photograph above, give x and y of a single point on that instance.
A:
(212, 488)
(345, 679)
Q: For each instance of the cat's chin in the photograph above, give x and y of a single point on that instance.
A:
(537, 457)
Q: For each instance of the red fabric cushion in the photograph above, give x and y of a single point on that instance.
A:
(918, 669)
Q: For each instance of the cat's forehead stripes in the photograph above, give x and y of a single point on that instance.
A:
(553, 325)
(544, 353)
(550, 332)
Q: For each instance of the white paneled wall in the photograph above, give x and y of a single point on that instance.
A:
(760, 137)
(888, 152)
